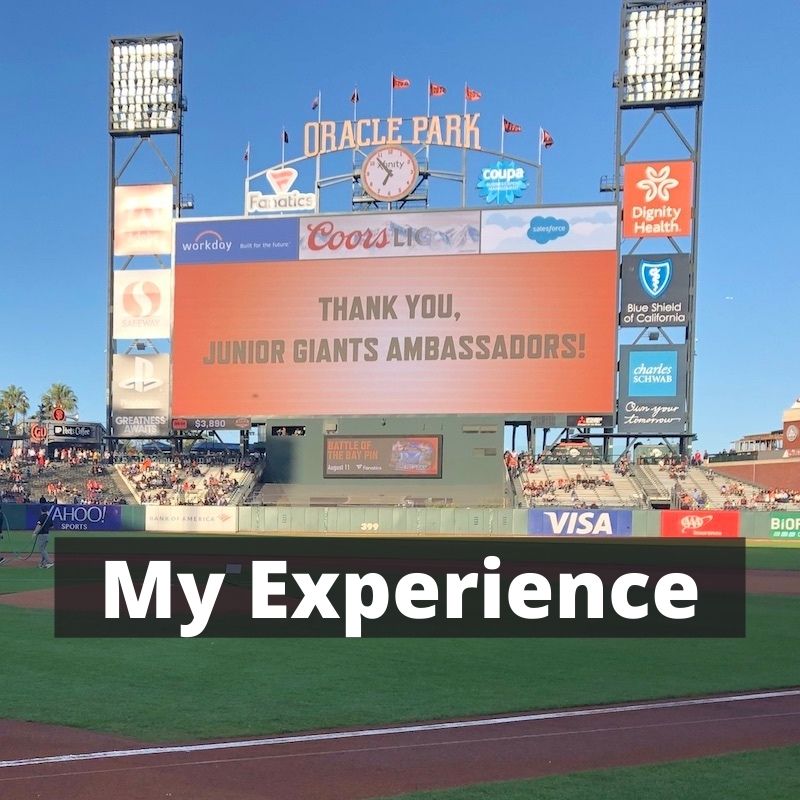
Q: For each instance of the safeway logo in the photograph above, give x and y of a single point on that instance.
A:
(141, 299)
(691, 524)
(281, 179)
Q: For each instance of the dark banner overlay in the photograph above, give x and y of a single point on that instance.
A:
(395, 587)
(383, 457)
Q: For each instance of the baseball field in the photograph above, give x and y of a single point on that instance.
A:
(443, 718)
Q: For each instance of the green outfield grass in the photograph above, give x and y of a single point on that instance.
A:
(180, 689)
(758, 775)
(23, 579)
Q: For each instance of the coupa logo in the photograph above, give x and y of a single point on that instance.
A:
(655, 276)
(205, 241)
(141, 299)
(545, 229)
(502, 183)
(653, 374)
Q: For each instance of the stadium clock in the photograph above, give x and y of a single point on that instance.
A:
(389, 173)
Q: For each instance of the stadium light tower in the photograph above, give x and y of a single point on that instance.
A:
(662, 67)
(145, 100)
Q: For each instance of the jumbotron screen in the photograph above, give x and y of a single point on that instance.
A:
(452, 312)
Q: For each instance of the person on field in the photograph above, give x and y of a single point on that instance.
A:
(41, 534)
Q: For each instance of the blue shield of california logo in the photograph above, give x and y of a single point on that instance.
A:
(655, 276)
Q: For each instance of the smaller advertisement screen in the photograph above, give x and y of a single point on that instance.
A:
(383, 457)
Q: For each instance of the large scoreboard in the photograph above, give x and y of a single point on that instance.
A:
(406, 313)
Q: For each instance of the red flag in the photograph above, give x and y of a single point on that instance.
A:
(400, 83)
(436, 90)
(510, 127)
(547, 139)
(472, 94)
(354, 97)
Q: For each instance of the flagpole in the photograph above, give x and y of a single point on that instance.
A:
(464, 153)
(502, 134)
(317, 166)
(247, 177)
(540, 172)
(283, 146)
(355, 116)
(391, 95)
(428, 113)
(541, 133)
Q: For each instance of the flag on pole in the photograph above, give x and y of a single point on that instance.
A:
(285, 136)
(400, 83)
(354, 98)
(511, 127)
(547, 139)
(247, 152)
(315, 103)
(471, 94)
(435, 89)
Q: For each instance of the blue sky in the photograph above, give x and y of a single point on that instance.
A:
(252, 68)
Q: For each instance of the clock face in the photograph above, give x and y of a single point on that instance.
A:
(389, 173)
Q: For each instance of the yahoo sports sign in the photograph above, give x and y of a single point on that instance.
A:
(72, 517)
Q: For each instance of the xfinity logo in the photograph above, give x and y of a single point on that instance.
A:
(206, 241)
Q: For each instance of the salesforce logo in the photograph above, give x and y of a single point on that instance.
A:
(544, 229)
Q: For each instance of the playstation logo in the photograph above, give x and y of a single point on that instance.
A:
(655, 276)
(143, 378)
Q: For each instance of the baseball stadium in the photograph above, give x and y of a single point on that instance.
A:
(346, 375)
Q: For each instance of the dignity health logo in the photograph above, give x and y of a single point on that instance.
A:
(653, 374)
(656, 184)
(657, 199)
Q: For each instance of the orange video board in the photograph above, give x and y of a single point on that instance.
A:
(460, 334)
(657, 199)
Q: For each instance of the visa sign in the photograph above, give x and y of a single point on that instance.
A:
(572, 522)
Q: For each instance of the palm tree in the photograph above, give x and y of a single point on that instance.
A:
(14, 401)
(59, 395)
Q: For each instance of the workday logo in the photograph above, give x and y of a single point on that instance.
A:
(653, 374)
(205, 241)
(655, 276)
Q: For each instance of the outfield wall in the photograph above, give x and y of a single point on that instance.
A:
(545, 521)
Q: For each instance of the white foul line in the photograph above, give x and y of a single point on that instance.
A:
(420, 728)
